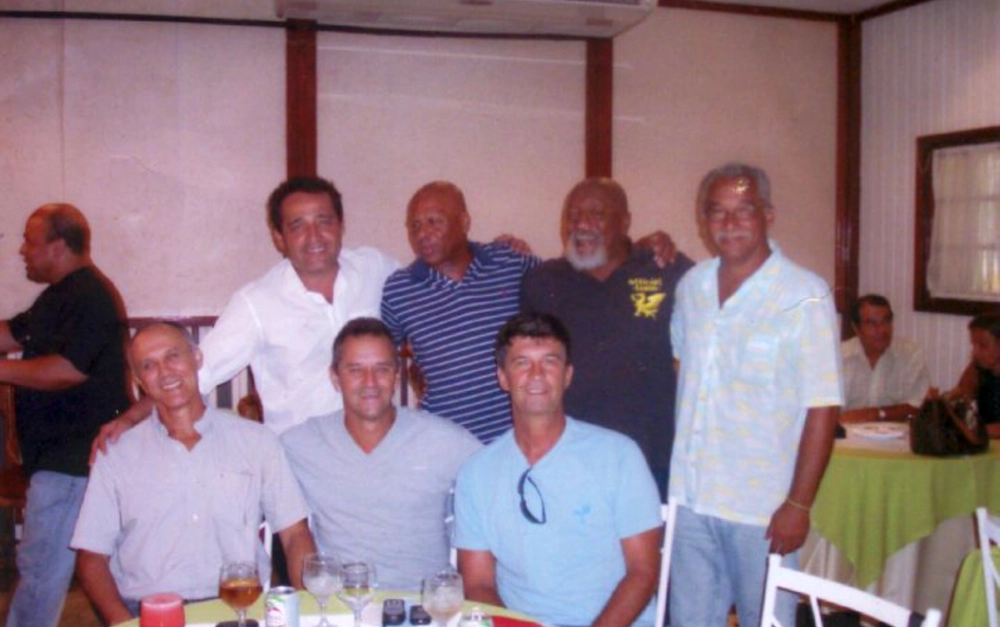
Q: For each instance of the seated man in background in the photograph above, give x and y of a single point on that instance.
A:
(378, 478)
(183, 493)
(884, 378)
(558, 519)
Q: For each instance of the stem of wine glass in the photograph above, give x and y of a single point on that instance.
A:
(357, 616)
(241, 615)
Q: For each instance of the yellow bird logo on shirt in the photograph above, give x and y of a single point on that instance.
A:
(647, 305)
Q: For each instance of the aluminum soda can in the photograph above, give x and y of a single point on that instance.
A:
(475, 617)
(281, 607)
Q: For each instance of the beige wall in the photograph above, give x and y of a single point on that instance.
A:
(168, 137)
(695, 89)
(171, 136)
(932, 68)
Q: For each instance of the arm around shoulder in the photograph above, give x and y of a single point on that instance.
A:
(113, 429)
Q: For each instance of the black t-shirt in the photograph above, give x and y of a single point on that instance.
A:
(988, 397)
(81, 318)
(623, 374)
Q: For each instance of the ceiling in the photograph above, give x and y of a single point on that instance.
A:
(265, 9)
(824, 6)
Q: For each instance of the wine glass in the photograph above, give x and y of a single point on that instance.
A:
(358, 583)
(239, 587)
(443, 596)
(321, 576)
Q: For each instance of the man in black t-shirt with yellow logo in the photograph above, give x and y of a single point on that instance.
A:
(616, 301)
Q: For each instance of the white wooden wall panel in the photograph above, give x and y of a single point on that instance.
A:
(931, 68)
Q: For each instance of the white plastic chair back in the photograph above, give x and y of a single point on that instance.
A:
(817, 589)
(669, 513)
(989, 533)
(266, 537)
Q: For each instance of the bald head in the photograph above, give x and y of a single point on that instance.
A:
(165, 362)
(437, 225)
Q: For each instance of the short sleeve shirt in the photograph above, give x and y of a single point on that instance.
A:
(596, 489)
(452, 326)
(623, 374)
(749, 371)
(899, 376)
(388, 506)
(82, 319)
(170, 517)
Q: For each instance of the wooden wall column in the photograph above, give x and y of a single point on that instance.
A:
(300, 97)
(848, 165)
(598, 116)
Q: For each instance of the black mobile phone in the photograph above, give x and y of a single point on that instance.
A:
(419, 616)
(393, 612)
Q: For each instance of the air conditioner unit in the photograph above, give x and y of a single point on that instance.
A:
(574, 18)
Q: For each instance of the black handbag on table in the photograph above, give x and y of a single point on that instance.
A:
(948, 428)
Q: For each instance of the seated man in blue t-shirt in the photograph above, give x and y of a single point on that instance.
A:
(558, 519)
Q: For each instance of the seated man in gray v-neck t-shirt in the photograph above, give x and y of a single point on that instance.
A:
(377, 478)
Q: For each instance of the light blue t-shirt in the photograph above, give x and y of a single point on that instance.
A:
(597, 490)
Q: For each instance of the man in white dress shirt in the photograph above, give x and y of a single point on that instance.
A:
(283, 323)
(885, 378)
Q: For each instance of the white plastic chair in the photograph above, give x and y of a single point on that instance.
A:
(989, 532)
(817, 588)
(669, 513)
(266, 537)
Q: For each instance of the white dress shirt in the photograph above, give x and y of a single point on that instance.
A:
(285, 334)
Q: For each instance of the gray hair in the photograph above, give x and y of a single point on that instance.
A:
(733, 171)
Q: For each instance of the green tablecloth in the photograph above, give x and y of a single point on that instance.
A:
(215, 610)
(968, 607)
(873, 503)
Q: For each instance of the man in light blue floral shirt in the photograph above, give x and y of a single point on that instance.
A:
(759, 395)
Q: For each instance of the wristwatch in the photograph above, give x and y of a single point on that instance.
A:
(881, 414)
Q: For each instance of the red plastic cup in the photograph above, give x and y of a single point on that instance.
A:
(162, 610)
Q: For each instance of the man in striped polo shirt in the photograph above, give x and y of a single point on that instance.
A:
(449, 304)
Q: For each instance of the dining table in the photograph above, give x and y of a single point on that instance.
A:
(209, 613)
(896, 523)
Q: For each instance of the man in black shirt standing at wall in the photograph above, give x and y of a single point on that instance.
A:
(70, 380)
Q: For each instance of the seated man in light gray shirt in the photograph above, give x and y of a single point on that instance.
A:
(378, 478)
(885, 378)
(184, 493)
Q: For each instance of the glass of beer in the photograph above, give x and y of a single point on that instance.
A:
(239, 587)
